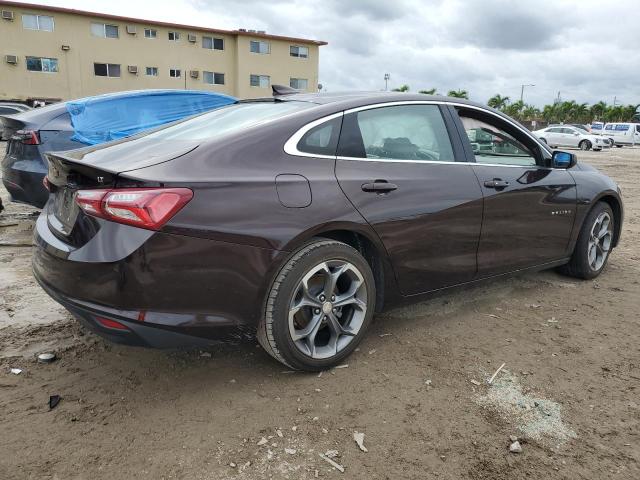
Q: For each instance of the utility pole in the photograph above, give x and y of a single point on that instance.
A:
(522, 90)
(386, 81)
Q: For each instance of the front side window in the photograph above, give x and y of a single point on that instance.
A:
(491, 143)
(104, 30)
(42, 64)
(259, 47)
(262, 81)
(300, 52)
(554, 130)
(174, 36)
(213, 78)
(106, 69)
(38, 22)
(175, 73)
(150, 33)
(403, 132)
(299, 83)
(152, 71)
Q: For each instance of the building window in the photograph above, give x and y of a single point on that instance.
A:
(213, 43)
(106, 69)
(150, 33)
(262, 81)
(41, 64)
(152, 71)
(174, 36)
(175, 73)
(38, 22)
(300, 52)
(298, 83)
(104, 30)
(213, 78)
(259, 47)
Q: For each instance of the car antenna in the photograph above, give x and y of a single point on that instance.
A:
(280, 90)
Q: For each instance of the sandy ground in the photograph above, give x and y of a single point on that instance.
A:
(417, 388)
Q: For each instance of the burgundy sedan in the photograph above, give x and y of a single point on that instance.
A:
(296, 218)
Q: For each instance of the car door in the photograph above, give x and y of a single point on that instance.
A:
(572, 137)
(401, 170)
(529, 207)
(552, 136)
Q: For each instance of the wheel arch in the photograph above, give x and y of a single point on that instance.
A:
(365, 241)
(616, 206)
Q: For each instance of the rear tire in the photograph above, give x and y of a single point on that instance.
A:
(594, 244)
(319, 306)
(585, 145)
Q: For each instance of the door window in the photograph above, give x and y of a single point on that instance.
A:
(403, 132)
(493, 144)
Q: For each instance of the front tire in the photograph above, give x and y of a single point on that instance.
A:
(594, 244)
(319, 306)
(585, 145)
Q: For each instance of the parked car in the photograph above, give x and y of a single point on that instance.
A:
(569, 136)
(10, 108)
(622, 134)
(580, 126)
(87, 121)
(295, 218)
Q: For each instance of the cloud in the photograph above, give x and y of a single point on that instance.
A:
(494, 46)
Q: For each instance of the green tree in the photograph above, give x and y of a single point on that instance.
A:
(515, 109)
(402, 88)
(498, 101)
(458, 94)
(597, 110)
(431, 91)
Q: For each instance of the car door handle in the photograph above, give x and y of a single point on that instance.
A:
(379, 186)
(496, 183)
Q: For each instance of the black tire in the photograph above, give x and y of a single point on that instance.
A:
(585, 145)
(579, 266)
(618, 146)
(274, 329)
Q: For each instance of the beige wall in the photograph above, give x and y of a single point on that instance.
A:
(75, 77)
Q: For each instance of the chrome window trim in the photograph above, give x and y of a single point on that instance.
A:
(291, 145)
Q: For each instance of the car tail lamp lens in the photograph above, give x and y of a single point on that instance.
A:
(148, 208)
(27, 137)
(45, 182)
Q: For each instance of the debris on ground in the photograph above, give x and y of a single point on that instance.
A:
(346, 365)
(335, 465)
(537, 418)
(205, 354)
(290, 451)
(16, 371)
(496, 373)
(46, 357)
(359, 439)
(262, 441)
(54, 400)
(515, 447)
(475, 382)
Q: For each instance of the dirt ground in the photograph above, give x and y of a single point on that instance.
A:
(417, 387)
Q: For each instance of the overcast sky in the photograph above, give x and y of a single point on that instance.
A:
(589, 50)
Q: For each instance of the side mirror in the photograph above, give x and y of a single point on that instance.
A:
(563, 159)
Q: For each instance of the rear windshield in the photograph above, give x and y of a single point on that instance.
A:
(229, 119)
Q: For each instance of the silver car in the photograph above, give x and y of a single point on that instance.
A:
(568, 136)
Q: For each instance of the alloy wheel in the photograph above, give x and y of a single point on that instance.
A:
(600, 241)
(328, 309)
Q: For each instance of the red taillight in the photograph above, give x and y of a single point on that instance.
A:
(45, 182)
(107, 322)
(27, 137)
(148, 208)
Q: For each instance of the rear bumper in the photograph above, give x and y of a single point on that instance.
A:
(23, 181)
(168, 290)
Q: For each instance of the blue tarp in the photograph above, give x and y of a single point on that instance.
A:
(112, 116)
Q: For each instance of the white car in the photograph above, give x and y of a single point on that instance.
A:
(568, 136)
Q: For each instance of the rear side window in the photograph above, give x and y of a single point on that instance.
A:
(323, 139)
(403, 132)
(8, 110)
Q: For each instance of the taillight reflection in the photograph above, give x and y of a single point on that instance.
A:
(27, 137)
(148, 208)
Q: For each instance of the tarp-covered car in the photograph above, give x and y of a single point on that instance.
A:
(88, 121)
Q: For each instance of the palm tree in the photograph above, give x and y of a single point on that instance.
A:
(598, 109)
(498, 101)
(529, 112)
(431, 91)
(403, 88)
(515, 109)
(458, 94)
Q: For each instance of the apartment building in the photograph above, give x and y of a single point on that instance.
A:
(51, 53)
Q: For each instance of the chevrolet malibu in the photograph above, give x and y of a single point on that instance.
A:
(295, 218)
